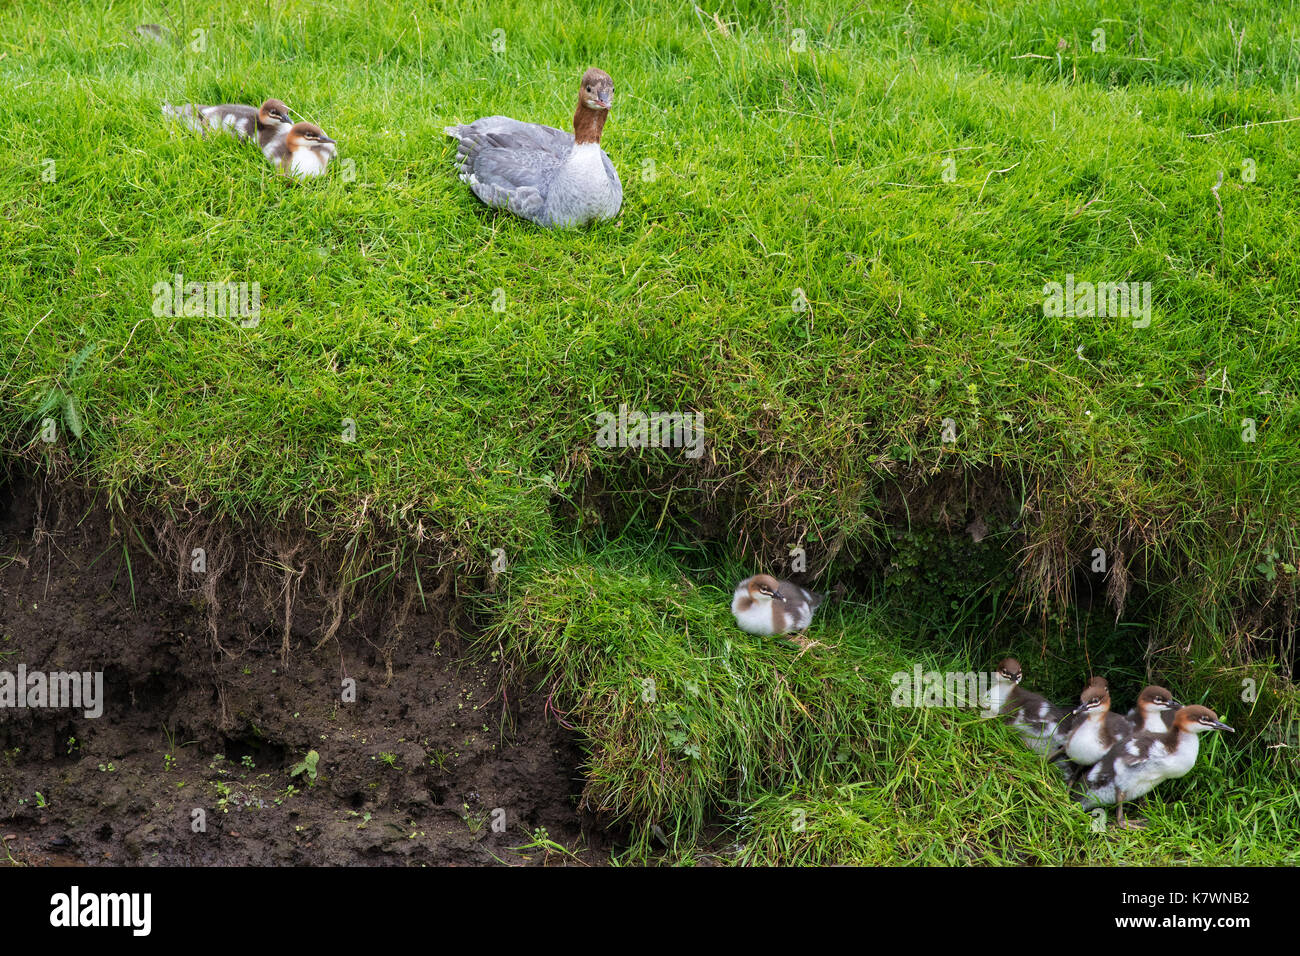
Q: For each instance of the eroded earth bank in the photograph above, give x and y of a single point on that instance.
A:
(210, 706)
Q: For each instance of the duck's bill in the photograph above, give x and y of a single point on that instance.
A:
(1220, 725)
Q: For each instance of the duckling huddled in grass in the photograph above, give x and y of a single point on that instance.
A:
(766, 606)
(1041, 724)
(237, 119)
(1114, 759)
(302, 150)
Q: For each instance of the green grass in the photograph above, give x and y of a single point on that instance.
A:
(751, 170)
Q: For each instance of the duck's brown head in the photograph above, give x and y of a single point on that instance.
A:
(596, 90)
(1009, 669)
(273, 113)
(1197, 720)
(1096, 696)
(1156, 697)
(308, 136)
(595, 97)
(763, 587)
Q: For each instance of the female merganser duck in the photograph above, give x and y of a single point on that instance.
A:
(1155, 710)
(1096, 729)
(242, 122)
(302, 150)
(540, 173)
(1041, 724)
(764, 605)
(1134, 766)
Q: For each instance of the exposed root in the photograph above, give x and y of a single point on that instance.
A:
(228, 568)
(292, 578)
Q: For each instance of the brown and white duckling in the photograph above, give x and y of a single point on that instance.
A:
(1133, 767)
(1041, 724)
(764, 605)
(1155, 710)
(240, 121)
(1096, 729)
(303, 150)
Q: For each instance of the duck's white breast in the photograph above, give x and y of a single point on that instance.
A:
(581, 190)
(309, 162)
(1085, 743)
(755, 619)
(996, 695)
(1183, 756)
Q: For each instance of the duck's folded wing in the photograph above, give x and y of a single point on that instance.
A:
(1133, 755)
(511, 178)
(509, 164)
(1042, 716)
(513, 133)
(190, 114)
(1063, 723)
(1100, 775)
(235, 118)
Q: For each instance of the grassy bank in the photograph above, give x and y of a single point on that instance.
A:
(838, 226)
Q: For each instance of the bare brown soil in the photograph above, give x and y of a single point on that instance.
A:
(210, 710)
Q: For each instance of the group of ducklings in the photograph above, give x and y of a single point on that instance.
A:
(297, 149)
(1112, 758)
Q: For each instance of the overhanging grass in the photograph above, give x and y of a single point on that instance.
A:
(684, 713)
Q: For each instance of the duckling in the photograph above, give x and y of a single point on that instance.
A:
(302, 150)
(1041, 724)
(1133, 767)
(1155, 710)
(243, 122)
(764, 605)
(540, 173)
(1095, 728)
